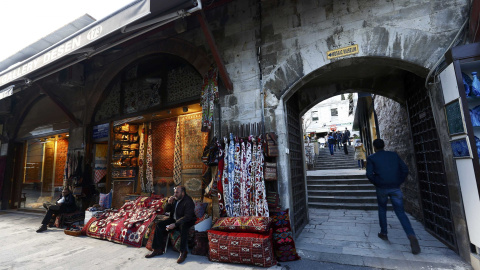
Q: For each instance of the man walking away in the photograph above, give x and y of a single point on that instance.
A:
(339, 139)
(344, 142)
(348, 136)
(387, 171)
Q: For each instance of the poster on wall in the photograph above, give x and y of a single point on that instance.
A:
(455, 118)
(461, 148)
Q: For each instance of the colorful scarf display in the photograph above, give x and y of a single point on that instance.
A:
(242, 181)
(141, 157)
(149, 170)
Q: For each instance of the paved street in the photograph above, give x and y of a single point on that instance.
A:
(23, 248)
(350, 237)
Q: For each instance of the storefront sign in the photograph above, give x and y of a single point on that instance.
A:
(342, 52)
(101, 29)
(101, 131)
(6, 92)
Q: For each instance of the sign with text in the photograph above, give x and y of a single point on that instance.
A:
(342, 52)
(101, 131)
(75, 42)
(6, 92)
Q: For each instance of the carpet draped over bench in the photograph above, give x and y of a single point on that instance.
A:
(129, 224)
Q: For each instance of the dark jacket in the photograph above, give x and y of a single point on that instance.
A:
(385, 169)
(345, 138)
(69, 205)
(185, 211)
(331, 139)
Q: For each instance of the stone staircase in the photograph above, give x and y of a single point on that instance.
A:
(343, 186)
(341, 192)
(324, 161)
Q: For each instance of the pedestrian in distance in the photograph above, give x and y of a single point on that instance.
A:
(359, 153)
(331, 143)
(348, 134)
(322, 142)
(339, 139)
(387, 171)
(344, 142)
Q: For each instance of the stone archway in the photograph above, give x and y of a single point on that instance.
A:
(398, 82)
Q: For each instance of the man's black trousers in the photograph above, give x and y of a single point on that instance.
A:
(53, 209)
(161, 232)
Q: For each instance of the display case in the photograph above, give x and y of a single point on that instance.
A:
(461, 92)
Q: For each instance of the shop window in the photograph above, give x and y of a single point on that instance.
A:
(45, 162)
(314, 116)
(334, 112)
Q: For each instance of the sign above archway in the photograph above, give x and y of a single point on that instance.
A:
(349, 50)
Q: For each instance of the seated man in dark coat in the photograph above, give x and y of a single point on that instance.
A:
(182, 217)
(64, 204)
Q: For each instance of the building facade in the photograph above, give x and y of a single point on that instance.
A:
(276, 60)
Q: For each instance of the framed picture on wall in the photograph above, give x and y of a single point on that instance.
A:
(461, 148)
(455, 117)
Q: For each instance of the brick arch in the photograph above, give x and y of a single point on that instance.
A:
(178, 47)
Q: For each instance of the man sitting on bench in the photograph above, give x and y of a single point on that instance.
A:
(65, 204)
(182, 217)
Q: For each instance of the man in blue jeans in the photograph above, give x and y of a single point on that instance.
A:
(387, 171)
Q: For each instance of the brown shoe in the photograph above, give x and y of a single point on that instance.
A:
(414, 244)
(383, 236)
(155, 252)
(182, 257)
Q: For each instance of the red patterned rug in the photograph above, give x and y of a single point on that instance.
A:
(163, 147)
(62, 151)
(127, 225)
(193, 142)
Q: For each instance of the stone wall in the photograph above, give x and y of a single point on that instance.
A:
(395, 131)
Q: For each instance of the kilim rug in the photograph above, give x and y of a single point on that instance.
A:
(163, 140)
(61, 161)
(193, 141)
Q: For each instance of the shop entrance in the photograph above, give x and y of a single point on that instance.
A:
(402, 86)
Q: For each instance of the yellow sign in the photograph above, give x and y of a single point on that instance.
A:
(342, 52)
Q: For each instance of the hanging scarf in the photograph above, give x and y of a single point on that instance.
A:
(253, 173)
(231, 173)
(149, 171)
(236, 180)
(225, 180)
(209, 98)
(141, 156)
(246, 169)
(177, 158)
(260, 196)
(221, 173)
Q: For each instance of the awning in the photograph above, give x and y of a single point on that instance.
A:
(77, 43)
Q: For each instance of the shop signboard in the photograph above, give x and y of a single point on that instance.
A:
(101, 131)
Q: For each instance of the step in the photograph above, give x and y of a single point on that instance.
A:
(343, 205)
(341, 187)
(343, 199)
(333, 182)
(339, 193)
(360, 176)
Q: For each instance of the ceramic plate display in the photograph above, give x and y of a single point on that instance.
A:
(461, 148)
(454, 115)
